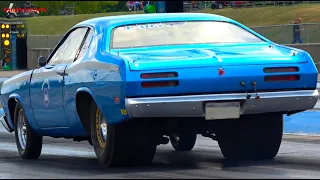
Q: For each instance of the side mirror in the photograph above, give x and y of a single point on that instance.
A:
(42, 61)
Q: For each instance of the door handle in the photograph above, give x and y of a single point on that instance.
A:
(49, 67)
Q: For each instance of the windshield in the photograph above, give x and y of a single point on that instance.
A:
(175, 33)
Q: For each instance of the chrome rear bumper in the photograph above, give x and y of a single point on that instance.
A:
(193, 105)
(5, 124)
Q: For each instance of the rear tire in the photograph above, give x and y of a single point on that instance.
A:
(250, 137)
(29, 144)
(126, 144)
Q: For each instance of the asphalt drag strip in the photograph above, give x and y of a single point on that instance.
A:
(299, 157)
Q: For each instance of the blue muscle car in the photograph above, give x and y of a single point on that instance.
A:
(129, 83)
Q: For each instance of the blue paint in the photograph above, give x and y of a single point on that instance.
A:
(197, 66)
(46, 80)
(305, 122)
(13, 51)
(160, 6)
(103, 73)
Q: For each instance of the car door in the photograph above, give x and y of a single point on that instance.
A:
(78, 76)
(46, 88)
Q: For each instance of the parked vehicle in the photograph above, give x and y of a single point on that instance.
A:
(219, 4)
(129, 83)
(21, 11)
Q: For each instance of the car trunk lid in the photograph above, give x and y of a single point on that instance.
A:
(168, 58)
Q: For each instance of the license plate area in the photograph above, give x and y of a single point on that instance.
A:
(225, 110)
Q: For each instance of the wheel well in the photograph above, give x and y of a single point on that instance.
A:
(11, 106)
(83, 105)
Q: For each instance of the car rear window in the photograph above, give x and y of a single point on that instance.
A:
(177, 33)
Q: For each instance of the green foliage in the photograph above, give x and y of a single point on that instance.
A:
(3, 4)
(80, 7)
(122, 6)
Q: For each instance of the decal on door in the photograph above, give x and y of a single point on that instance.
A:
(45, 89)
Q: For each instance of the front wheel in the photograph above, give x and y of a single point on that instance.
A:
(250, 137)
(129, 143)
(34, 14)
(11, 16)
(29, 144)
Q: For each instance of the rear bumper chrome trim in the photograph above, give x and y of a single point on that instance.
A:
(194, 105)
(5, 124)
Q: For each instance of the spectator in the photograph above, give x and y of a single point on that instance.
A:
(130, 5)
(145, 3)
(133, 5)
(296, 31)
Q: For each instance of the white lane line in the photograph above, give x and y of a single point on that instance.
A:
(55, 150)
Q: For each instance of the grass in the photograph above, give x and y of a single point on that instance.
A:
(255, 16)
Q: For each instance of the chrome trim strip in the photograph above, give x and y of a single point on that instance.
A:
(5, 124)
(193, 105)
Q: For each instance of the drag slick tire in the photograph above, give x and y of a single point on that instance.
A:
(183, 138)
(129, 143)
(29, 144)
(250, 137)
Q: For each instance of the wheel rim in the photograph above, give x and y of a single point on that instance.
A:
(22, 130)
(220, 6)
(102, 129)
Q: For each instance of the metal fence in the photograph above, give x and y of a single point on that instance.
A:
(281, 34)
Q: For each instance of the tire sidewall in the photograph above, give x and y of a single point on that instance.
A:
(16, 112)
(22, 152)
(261, 140)
(104, 154)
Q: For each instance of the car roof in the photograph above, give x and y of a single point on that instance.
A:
(119, 20)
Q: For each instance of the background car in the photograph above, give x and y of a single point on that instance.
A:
(219, 4)
(21, 11)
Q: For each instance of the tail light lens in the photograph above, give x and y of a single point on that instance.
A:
(281, 69)
(282, 78)
(159, 75)
(159, 84)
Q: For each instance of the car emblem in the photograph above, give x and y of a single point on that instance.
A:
(46, 97)
(221, 71)
(45, 89)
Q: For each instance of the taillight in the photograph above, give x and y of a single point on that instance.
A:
(159, 75)
(282, 78)
(280, 69)
(159, 84)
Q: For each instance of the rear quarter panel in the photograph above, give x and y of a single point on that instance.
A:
(101, 75)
